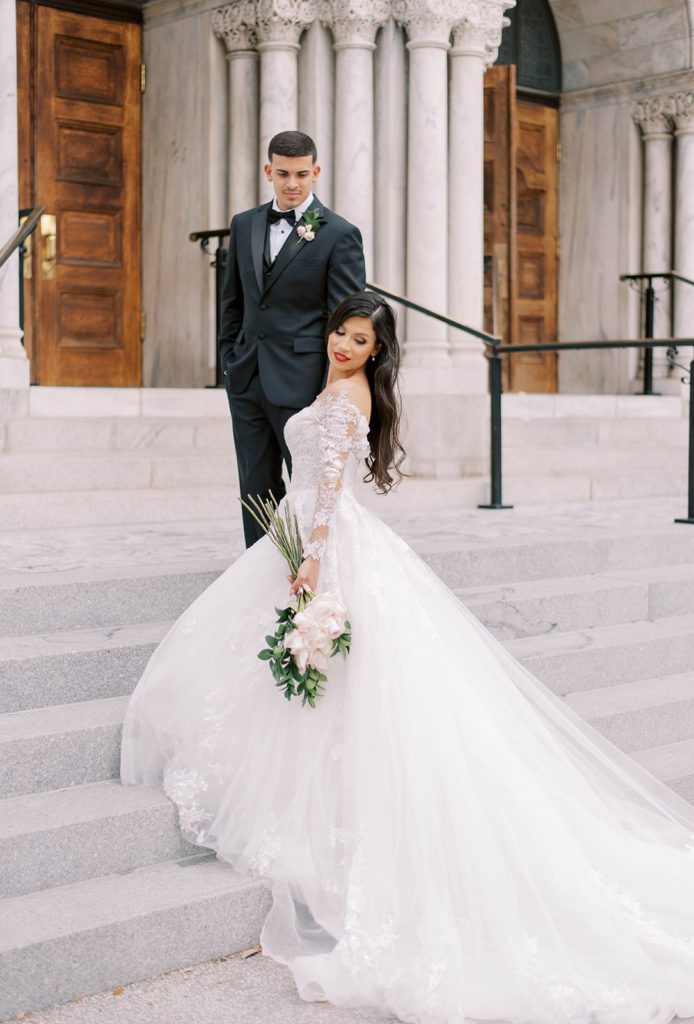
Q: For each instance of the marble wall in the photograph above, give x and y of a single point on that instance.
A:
(184, 189)
(607, 41)
(601, 196)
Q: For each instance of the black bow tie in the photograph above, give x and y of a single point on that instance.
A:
(274, 216)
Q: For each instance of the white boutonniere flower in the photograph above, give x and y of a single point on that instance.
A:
(310, 222)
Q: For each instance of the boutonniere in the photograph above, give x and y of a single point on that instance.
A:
(310, 222)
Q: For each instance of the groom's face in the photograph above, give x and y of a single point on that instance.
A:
(292, 178)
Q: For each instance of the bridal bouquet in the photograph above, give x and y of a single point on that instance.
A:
(312, 627)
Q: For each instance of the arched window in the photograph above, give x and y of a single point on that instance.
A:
(532, 44)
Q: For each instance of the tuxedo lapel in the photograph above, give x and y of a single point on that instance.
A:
(291, 248)
(258, 228)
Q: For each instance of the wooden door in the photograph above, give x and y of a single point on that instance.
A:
(520, 228)
(499, 202)
(535, 310)
(85, 288)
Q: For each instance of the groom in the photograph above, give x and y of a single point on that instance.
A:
(289, 263)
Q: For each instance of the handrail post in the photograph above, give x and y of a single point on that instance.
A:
(495, 389)
(690, 481)
(648, 333)
(219, 268)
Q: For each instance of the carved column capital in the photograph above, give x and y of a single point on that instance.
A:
(478, 26)
(654, 116)
(356, 22)
(235, 24)
(427, 22)
(683, 115)
(282, 22)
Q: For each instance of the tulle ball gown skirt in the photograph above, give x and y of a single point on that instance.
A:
(446, 842)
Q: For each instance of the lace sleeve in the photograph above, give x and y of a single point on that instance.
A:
(338, 427)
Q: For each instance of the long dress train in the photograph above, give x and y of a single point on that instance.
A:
(446, 841)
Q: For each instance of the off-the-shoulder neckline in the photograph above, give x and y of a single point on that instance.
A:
(342, 394)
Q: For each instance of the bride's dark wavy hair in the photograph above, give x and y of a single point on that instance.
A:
(386, 452)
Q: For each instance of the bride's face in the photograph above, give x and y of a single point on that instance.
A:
(351, 345)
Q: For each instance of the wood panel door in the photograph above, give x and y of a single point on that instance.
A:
(520, 228)
(535, 309)
(499, 202)
(86, 290)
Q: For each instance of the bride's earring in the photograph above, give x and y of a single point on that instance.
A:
(373, 359)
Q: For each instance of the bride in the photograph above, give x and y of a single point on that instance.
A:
(446, 841)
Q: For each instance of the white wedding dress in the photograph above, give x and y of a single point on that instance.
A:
(446, 841)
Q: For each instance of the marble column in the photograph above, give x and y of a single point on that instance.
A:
(428, 24)
(279, 25)
(476, 39)
(317, 101)
(390, 181)
(235, 24)
(354, 28)
(14, 365)
(683, 117)
(653, 118)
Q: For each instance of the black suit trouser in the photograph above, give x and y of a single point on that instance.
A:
(260, 448)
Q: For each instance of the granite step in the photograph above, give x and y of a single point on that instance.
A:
(59, 836)
(72, 744)
(235, 989)
(61, 508)
(98, 933)
(596, 461)
(184, 500)
(63, 836)
(525, 406)
(118, 434)
(60, 746)
(642, 714)
(590, 658)
(70, 667)
(65, 667)
(673, 764)
(89, 596)
(525, 433)
(29, 472)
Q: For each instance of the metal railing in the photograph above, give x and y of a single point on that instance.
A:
(22, 232)
(648, 298)
(219, 262)
(496, 351)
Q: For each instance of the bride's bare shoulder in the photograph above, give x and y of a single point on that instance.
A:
(355, 391)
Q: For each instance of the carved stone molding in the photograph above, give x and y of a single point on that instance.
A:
(356, 22)
(654, 116)
(235, 24)
(478, 27)
(683, 115)
(282, 22)
(427, 22)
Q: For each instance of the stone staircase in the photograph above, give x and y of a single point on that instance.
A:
(86, 456)
(98, 888)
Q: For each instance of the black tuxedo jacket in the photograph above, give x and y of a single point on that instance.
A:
(276, 318)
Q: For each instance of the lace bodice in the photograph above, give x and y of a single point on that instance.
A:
(327, 440)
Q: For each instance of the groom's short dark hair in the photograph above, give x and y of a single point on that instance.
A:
(292, 144)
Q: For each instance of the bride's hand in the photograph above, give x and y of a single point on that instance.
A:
(306, 578)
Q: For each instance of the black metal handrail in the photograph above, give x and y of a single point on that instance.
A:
(22, 232)
(649, 299)
(495, 388)
(219, 262)
(488, 339)
(496, 351)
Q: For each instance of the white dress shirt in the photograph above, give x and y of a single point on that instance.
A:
(280, 231)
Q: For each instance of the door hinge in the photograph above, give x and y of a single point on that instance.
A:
(143, 326)
(559, 152)
(143, 77)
